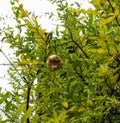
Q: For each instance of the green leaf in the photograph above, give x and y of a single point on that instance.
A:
(26, 115)
(105, 21)
(20, 109)
(57, 30)
(65, 104)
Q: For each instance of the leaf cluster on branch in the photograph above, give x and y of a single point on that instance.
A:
(87, 88)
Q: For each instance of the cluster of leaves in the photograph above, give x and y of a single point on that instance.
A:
(87, 88)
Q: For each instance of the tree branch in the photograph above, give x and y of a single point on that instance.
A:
(8, 116)
(22, 78)
(77, 44)
(113, 12)
(28, 101)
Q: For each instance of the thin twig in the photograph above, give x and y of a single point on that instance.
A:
(77, 44)
(28, 101)
(24, 79)
(12, 65)
(113, 12)
(8, 116)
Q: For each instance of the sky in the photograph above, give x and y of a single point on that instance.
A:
(39, 7)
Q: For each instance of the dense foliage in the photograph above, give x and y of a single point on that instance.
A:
(87, 88)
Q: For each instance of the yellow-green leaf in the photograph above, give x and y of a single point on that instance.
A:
(22, 57)
(106, 67)
(101, 51)
(57, 28)
(17, 1)
(25, 13)
(105, 21)
(81, 109)
(26, 115)
(117, 11)
(65, 104)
